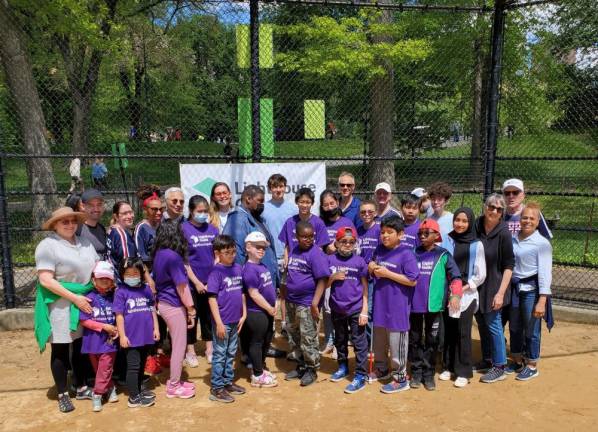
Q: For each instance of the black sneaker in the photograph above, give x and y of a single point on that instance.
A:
(148, 394)
(429, 383)
(86, 393)
(415, 382)
(235, 389)
(221, 395)
(65, 404)
(140, 401)
(295, 374)
(309, 377)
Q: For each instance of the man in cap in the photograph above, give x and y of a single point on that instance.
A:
(514, 194)
(383, 198)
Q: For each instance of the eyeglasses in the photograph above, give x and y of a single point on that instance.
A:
(156, 209)
(176, 201)
(367, 212)
(260, 247)
(494, 208)
(346, 185)
(511, 193)
(347, 242)
(425, 233)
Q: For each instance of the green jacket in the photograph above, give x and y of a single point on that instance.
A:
(445, 278)
(41, 316)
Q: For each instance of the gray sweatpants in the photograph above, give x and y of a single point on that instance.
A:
(398, 342)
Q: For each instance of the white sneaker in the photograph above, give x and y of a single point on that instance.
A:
(461, 382)
(191, 360)
(445, 376)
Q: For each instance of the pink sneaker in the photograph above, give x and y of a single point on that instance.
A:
(186, 384)
(179, 391)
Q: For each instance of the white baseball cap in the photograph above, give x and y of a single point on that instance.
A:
(514, 182)
(103, 269)
(418, 192)
(257, 237)
(383, 186)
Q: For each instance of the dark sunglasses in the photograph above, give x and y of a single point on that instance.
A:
(156, 209)
(494, 208)
(513, 193)
(176, 201)
(347, 185)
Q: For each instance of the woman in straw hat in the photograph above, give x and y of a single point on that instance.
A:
(64, 263)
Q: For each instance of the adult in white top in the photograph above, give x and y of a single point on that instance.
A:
(220, 205)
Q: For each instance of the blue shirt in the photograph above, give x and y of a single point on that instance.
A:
(98, 171)
(352, 212)
(144, 240)
(533, 255)
(274, 216)
(445, 222)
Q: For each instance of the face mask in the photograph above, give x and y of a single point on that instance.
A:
(133, 281)
(329, 214)
(258, 211)
(200, 218)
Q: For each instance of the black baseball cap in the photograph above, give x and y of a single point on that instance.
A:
(90, 194)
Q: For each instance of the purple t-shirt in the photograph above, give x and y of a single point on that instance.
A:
(368, 240)
(258, 276)
(226, 283)
(199, 241)
(346, 297)
(411, 240)
(303, 271)
(136, 306)
(287, 234)
(332, 228)
(392, 300)
(169, 271)
(98, 342)
(425, 262)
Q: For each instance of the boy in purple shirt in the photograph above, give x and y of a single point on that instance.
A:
(307, 272)
(396, 272)
(348, 286)
(410, 211)
(227, 303)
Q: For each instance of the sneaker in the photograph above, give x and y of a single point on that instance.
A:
(186, 384)
(264, 380)
(96, 402)
(209, 358)
(378, 375)
(445, 376)
(341, 373)
(148, 394)
(65, 404)
(235, 389)
(395, 387)
(297, 373)
(429, 383)
(527, 374)
(493, 375)
(309, 377)
(357, 384)
(221, 395)
(461, 382)
(275, 353)
(513, 367)
(140, 402)
(152, 366)
(112, 396)
(86, 393)
(482, 366)
(191, 360)
(163, 360)
(270, 374)
(179, 391)
(415, 382)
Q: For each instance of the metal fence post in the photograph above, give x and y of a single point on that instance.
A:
(7, 270)
(498, 27)
(254, 35)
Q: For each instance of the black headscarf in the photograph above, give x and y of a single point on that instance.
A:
(462, 242)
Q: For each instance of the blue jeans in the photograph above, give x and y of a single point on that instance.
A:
(223, 356)
(525, 328)
(492, 337)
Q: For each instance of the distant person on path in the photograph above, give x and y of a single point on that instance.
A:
(94, 206)
(514, 193)
(75, 173)
(349, 204)
(221, 205)
(330, 130)
(99, 173)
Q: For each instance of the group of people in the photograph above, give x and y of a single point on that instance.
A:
(400, 284)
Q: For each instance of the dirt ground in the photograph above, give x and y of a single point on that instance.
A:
(563, 398)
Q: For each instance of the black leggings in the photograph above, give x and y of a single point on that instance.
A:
(60, 361)
(202, 307)
(259, 335)
(135, 366)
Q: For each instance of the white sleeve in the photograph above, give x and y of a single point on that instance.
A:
(45, 258)
(479, 269)
(544, 267)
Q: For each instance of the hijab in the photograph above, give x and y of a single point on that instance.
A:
(462, 242)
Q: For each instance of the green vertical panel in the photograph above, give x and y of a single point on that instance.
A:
(115, 159)
(266, 44)
(267, 126)
(244, 125)
(243, 46)
(122, 149)
(314, 118)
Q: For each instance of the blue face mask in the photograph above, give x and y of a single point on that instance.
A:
(200, 218)
(132, 281)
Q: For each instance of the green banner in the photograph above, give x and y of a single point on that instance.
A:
(267, 126)
(243, 46)
(122, 149)
(266, 46)
(245, 129)
(244, 126)
(314, 117)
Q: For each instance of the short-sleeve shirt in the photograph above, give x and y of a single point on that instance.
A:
(96, 235)
(411, 240)
(169, 271)
(136, 305)
(275, 215)
(288, 234)
(120, 245)
(392, 300)
(332, 228)
(258, 276)
(390, 212)
(201, 254)
(425, 262)
(346, 296)
(226, 283)
(144, 240)
(368, 240)
(303, 271)
(95, 342)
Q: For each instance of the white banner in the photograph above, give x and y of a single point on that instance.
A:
(199, 178)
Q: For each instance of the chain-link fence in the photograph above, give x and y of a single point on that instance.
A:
(390, 92)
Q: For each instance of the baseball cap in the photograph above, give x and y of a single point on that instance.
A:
(343, 231)
(89, 194)
(514, 182)
(103, 269)
(257, 237)
(432, 225)
(384, 186)
(418, 192)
